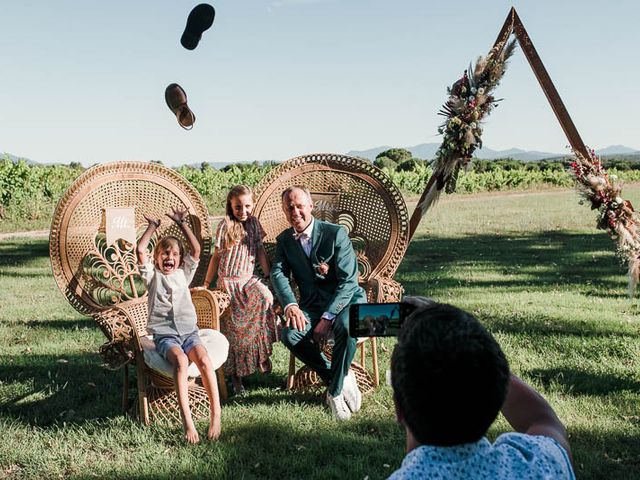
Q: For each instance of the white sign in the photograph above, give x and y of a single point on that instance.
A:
(120, 223)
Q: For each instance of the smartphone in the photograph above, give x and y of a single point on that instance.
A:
(377, 319)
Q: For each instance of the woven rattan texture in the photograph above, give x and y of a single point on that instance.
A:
(307, 381)
(209, 306)
(163, 401)
(355, 194)
(103, 280)
(348, 191)
(78, 222)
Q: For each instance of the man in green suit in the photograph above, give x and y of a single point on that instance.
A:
(323, 263)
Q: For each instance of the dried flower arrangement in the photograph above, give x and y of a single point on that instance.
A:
(615, 215)
(470, 100)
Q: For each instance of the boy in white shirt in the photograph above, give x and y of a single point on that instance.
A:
(172, 316)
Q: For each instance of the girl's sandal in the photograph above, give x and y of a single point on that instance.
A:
(238, 388)
(266, 366)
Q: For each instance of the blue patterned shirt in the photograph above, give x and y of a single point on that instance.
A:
(512, 455)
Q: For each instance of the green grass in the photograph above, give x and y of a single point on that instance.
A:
(530, 266)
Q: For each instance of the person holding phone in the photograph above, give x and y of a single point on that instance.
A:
(450, 379)
(321, 259)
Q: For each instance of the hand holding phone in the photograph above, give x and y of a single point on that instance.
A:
(378, 319)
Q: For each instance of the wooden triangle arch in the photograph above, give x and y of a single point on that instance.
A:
(514, 25)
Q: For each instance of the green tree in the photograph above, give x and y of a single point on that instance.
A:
(398, 155)
(392, 158)
(385, 162)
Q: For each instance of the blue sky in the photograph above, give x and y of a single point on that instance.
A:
(84, 80)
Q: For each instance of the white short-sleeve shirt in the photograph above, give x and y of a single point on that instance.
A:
(171, 311)
(512, 455)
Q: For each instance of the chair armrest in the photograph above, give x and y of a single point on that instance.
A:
(210, 305)
(383, 290)
(121, 325)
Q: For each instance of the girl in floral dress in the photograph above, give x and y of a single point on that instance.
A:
(251, 328)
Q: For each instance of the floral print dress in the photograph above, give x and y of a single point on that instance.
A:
(251, 327)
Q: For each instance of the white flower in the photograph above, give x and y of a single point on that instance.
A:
(473, 90)
(619, 200)
(480, 91)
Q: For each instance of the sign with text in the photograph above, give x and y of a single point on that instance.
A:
(120, 223)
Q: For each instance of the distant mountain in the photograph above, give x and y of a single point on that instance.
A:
(372, 153)
(486, 153)
(617, 150)
(427, 151)
(14, 158)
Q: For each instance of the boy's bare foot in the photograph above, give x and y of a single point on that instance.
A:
(191, 435)
(214, 428)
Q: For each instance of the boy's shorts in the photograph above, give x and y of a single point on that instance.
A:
(183, 342)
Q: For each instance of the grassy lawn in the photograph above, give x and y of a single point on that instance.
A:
(531, 266)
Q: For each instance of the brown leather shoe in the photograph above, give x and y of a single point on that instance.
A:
(176, 99)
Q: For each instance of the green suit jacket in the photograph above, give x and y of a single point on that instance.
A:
(318, 293)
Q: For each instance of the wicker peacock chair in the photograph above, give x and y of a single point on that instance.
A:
(355, 194)
(102, 279)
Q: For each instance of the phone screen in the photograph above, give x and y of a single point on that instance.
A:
(377, 319)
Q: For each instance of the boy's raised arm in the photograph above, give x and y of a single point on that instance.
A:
(180, 217)
(141, 249)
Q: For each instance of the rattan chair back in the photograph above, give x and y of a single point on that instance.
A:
(93, 275)
(102, 279)
(355, 194)
(350, 192)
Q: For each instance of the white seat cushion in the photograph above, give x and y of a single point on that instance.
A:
(215, 342)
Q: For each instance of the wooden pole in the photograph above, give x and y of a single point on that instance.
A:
(514, 25)
(547, 87)
(418, 213)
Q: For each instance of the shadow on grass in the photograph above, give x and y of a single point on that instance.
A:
(541, 325)
(45, 389)
(605, 454)
(80, 324)
(46, 277)
(578, 382)
(361, 447)
(529, 261)
(277, 449)
(19, 252)
(267, 389)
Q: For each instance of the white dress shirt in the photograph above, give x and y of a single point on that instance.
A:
(306, 242)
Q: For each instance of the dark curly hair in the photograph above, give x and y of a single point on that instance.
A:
(449, 376)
